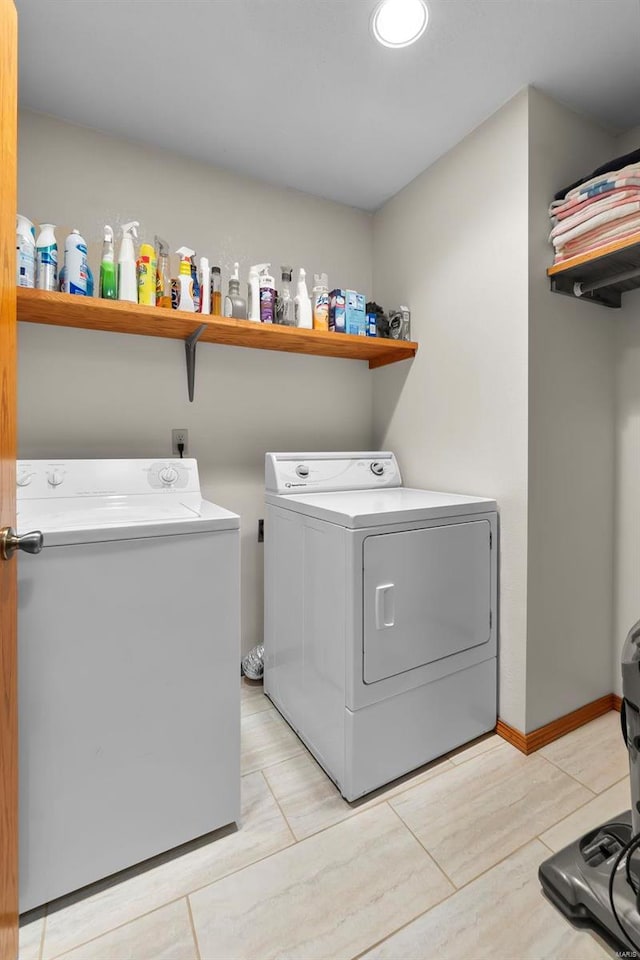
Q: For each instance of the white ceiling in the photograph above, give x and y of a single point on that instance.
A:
(297, 92)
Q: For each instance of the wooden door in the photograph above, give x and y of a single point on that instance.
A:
(8, 583)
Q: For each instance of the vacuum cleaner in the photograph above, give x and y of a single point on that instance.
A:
(596, 879)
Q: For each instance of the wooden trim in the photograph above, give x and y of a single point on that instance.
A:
(530, 742)
(8, 581)
(63, 310)
(593, 255)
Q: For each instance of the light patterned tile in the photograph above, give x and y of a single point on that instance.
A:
(262, 832)
(475, 814)
(477, 748)
(267, 739)
(31, 929)
(252, 698)
(164, 934)
(609, 804)
(311, 802)
(594, 754)
(502, 915)
(329, 896)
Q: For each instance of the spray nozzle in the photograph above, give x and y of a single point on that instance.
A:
(258, 268)
(236, 272)
(162, 246)
(185, 253)
(108, 234)
(130, 229)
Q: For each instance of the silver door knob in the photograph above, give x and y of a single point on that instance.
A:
(10, 542)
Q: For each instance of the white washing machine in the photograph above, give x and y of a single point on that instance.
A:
(128, 637)
(380, 614)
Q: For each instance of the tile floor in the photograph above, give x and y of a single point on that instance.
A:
(441, 864)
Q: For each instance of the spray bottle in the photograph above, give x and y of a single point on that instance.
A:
(267, 295)
(47, 258)
(303, 303)
(147, 269)
(253, 290)
(234, 305)
(127, 280)
(25, 252)
(284, 301)
(205, 287)
(108, 280)
(163, 277)
(76, 268)
(320, 301)
(185, 281)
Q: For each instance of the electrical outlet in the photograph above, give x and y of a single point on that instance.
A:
(260, 531)
(180, 436)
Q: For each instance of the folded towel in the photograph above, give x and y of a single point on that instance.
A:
(599, 239)
(618, 213)
(590, 210)
(626, 160)
(599, 202)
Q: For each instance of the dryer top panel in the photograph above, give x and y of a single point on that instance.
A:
(292, 473)
(374, 508)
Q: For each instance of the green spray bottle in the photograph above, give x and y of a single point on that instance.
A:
(108, 278)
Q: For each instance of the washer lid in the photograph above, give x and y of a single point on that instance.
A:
(373, 508)
(97, 519)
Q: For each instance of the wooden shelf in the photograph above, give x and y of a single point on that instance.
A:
(64, 310)
(602, 275)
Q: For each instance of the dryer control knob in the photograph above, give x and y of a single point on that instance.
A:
(54, 478)
(24, 478)
(377, 468)
(303, 471)
(169, 475)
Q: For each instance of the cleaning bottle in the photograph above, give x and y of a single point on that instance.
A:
(76, 273)
(303, 303)
(108, 280)
(284, 301)
(127, 280)
(25, 252)
(147, 267)
(216, 291)
(47, 258)
(320, 301)
(267, 295)
(196, 282)
(234, 305)
(163, 274)
(205, 286)
(253, 291)
(186, 299)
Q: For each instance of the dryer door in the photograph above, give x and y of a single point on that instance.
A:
(427, 595)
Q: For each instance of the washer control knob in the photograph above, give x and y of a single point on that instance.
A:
(303, 471)
(168, 475)
(377, 468)
(24, 478)
(54, 478)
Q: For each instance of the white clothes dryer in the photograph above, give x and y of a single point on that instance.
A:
(380, 614)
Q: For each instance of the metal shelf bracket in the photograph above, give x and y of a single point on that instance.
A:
(190, 351)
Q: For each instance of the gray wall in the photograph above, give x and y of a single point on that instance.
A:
(89, 394)
(571, 444)
(453, 244)
(627, 595)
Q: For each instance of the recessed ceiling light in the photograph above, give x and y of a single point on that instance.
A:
(397, 23)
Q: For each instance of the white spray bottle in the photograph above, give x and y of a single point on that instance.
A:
(127, 271)
(253, 290)
(205, 287)
(185, 281)
(302, 303)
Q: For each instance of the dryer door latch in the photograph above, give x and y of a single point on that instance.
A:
(385, 606)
